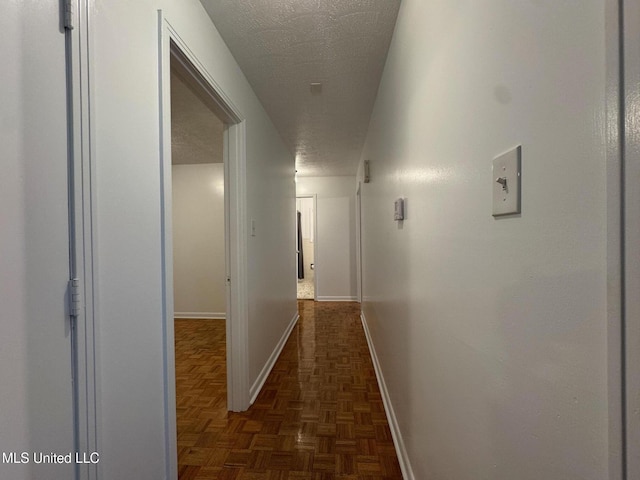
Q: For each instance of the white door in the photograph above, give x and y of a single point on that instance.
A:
(36, 402)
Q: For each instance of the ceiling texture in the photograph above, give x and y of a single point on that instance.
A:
(196, 132)
(285, 46)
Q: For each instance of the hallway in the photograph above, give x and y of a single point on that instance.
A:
(319, 416)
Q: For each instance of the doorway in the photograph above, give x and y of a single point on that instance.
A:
(306, 247)
(178, 59)
(199, 274)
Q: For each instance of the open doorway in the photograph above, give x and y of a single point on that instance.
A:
(176, 59)
(199, 256)
(198, 238)
(306, 246)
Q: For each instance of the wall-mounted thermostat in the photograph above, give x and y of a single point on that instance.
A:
(399, 209)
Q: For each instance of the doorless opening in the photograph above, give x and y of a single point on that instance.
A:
(177, 60)
(199, 274)
(306, 247)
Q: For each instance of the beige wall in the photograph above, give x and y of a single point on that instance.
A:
(198, 240)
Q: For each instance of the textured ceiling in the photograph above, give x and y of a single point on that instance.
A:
(285, 45)
(196, 132)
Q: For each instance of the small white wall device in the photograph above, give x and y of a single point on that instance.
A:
(399, 209)
(506, 183)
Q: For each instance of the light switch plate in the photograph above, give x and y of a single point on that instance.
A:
(398, 213)
(506, 183)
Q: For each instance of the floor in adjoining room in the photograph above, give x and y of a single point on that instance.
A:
(319, 416)
(306, 286)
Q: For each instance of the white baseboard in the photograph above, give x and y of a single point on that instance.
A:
(201, 315)
(259, 383)
(403, 457)
(336, 299)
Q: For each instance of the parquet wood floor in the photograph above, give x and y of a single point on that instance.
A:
(319, 416)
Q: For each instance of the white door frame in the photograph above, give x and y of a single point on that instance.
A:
(623, 236)
(173, 47)
(315, 241)
(630, 207)
(82, 230)
(359, 240)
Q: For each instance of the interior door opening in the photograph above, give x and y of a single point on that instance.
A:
(306, 247)
(199, 257)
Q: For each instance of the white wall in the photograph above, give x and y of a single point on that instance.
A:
(126, 119)
(335, 269)
(36, 400)
(491, 333)
(198, 240)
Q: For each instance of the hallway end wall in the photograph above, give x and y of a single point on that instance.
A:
(335, 267)
(491, 333)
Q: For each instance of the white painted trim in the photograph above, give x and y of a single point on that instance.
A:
(164, 74)
(359, 240)
(614, 162)
(401, 451)
(83, 236)
(325, 298)
(630, 207)
(173, 47)
(200, 315)
(238, 392)
(264, 374)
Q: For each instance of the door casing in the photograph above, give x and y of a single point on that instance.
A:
(173, 50)
(629, 15)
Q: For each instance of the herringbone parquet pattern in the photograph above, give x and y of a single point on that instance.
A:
(318, 417)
